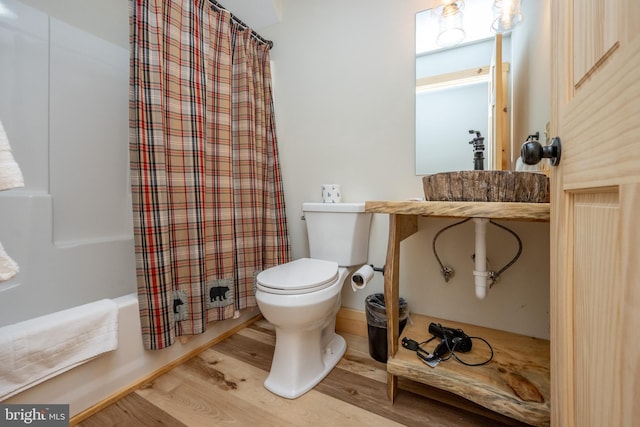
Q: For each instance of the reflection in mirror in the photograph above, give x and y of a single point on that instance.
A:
(448, 105)
(456, 92)
(446, 115)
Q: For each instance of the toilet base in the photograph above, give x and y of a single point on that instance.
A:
(291, 385)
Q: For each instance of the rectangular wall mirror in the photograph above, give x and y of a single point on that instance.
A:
(461, 88)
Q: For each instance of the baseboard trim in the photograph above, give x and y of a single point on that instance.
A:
(155, 374)
(351, 321)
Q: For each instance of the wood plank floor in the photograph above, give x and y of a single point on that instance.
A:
(223, 386)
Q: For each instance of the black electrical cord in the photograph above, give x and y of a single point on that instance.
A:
(413, 345)
(427, 357)
(453, 354)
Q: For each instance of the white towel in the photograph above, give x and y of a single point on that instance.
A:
(38, 349)
(8, 267)
(10, 173)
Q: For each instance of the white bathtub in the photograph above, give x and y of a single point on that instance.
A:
(93, 382)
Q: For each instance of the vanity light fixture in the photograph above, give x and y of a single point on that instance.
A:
(507, 15)
(449, 15)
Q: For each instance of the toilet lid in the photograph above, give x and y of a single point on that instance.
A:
(298, 277)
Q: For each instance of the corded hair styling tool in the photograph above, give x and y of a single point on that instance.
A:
(451, 341)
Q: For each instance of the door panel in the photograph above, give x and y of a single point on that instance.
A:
(595, 306)
(595, 35)
(595, 250)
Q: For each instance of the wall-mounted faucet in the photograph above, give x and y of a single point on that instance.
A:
(478, 150)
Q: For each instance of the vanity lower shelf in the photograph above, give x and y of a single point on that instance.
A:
(520, 363)
(516, 383)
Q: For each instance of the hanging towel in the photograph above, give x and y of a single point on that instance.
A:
(10, 173)
(8, 267)
(41, 348)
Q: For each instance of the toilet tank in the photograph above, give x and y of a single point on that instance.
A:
(338, 232)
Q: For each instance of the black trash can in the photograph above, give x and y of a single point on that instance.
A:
(377, 324)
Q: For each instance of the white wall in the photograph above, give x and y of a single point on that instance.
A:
(64, 106)
(443, 120)
(344, 82)
(531, 70)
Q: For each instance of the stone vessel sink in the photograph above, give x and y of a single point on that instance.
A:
(487, 186)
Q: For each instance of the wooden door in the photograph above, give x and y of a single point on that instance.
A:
(595, 214)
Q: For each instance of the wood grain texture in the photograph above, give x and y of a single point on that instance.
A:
(494, 210)
(133, 410)
(629, 346)
(166, 368)
(487, 186)
(520, 366)
(523, 388)
(223, 385)
(596, 307)
(400, 227)
(451, 79)
(351, 321)
(498, 135)
(595, 36)
(595, 243)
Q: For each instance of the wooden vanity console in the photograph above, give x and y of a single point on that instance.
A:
(516, 382)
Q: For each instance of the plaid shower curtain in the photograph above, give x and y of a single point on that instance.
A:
(208, 205)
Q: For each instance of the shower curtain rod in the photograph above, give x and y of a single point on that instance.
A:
(242, 24)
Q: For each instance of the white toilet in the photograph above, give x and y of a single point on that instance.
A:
(301, 298)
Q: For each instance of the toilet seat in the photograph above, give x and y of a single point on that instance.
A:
(301, 276)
